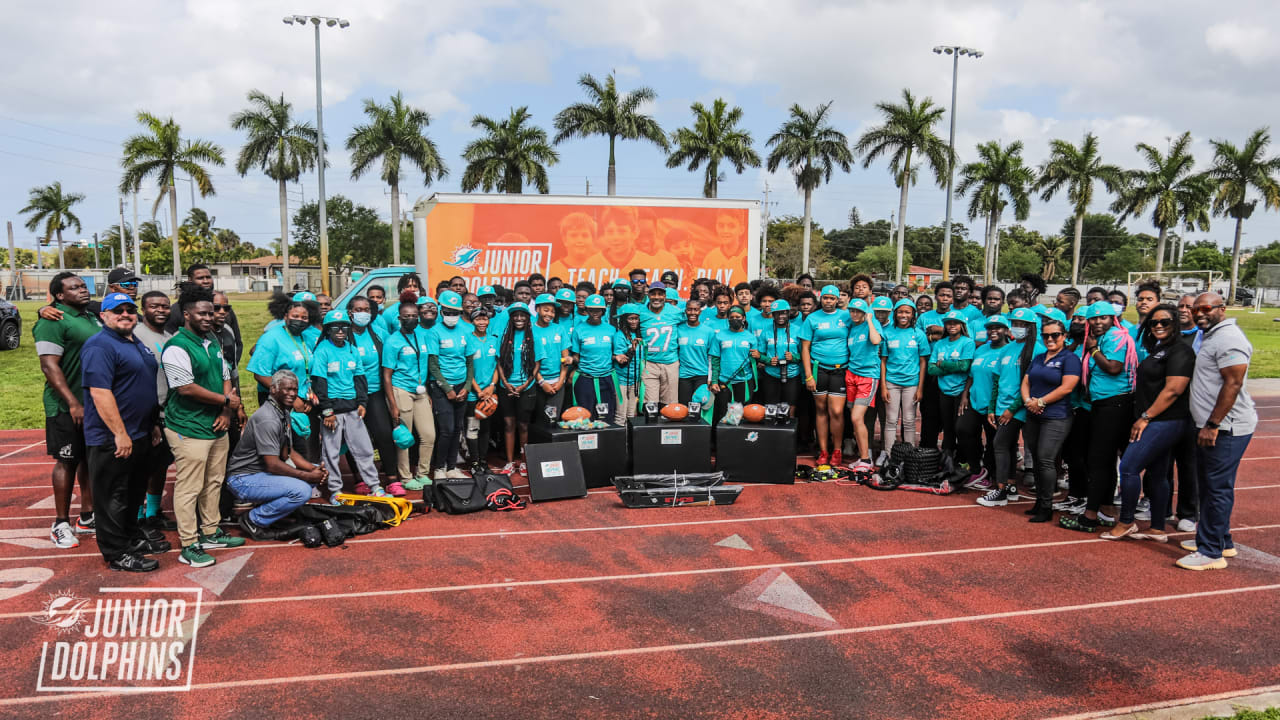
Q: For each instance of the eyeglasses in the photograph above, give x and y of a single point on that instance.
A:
(220, 308)
(1051, 335)
(124, 310)
(1162, 323)
(1202, 309)
(128, 284)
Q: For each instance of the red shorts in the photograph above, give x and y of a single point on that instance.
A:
(860, 390)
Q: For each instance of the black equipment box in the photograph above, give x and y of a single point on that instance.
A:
(555, 471)
(662, 446)
(604, 452)
(757, 452)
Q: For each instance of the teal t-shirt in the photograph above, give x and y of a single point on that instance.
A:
(828, 335)
(734, 350)
(659, 333)
(1079, 395)
(549, 343)
(864, 358)
(451, 346)
(971, 312)
(339, 367)
(713, 322)
(758, 322)
(1009, 382)
(369, 358)
(694, 347)
(932, 317)
(406, 357)
(484, 361)
(961, 348)
(278, 350)
(389, 317)
(902, 349)
(1101, 384)
(593, 344)
(517, 376)
(985, 371)
(627, 373)
(776, 342)
(978, 328)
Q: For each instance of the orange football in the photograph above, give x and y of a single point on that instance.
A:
(753, 413)
(486, 407)
(576, 413)
(675, 411)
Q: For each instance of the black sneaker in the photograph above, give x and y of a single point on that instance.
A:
(251, 529)
(996, 498)
(130, 562)
(147, 546)
(159, 522)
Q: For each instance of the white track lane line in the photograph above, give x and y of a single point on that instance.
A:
(591, 579)
(28, 447)
(657, 649)
(1179, 702)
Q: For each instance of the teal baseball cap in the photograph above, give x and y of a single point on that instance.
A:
(903, 303)
(336, 317)
(518, 308)
(594, 301)
(450, 299)
(1024, 315)
(831, 290)
(1101, 309)
(425, 300)
(622, 283)
(544, 299)
(629, 309)
(486, 290)
(1081, 311)
(860, 305)
(1056, 314)
(780, 305)
(565, 294)
(304, 296)
(1000, 320)
(882, 303)
(956, 316)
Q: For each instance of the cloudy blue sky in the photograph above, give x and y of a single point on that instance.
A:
(75, 72)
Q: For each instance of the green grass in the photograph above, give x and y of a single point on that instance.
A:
(1268, 714)
(21, 382)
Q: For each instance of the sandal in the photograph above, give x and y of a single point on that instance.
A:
(1120, 532)
(1159, 536)
(1079, 523)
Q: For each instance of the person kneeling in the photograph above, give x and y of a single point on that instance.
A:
(259, 472)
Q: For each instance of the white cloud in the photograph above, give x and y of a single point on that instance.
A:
(1250, 44)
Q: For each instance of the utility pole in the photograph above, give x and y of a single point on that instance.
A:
(137, 244)
(764, 232)
(955, 51)
(588, 185)
(39, 262)
(13, 261)
(124, 253)
(96, 264)
(891, 228)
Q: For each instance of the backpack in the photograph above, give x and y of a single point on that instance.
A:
(458, 496)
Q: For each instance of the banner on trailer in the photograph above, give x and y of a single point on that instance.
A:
(490, 244)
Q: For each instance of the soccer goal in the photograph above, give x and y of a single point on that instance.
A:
(1176, 283)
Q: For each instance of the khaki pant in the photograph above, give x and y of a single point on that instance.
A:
(626, 403)
(201, 466)
(415, 413)
(661, 382)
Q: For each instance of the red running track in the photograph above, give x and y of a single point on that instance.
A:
(806, 601)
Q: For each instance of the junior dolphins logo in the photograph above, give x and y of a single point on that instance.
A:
(465, 257)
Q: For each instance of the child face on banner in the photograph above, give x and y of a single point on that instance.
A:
(618, 240)
(729, 233)
(578, 242)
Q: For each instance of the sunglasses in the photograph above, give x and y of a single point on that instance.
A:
(1051, 335)
(220, 308)
(124, 310)
(128, 284)
(1162, 323)
(1202, 309)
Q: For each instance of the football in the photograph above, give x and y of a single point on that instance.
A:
(485, 407)
(675, 411)
(753, 413)
(576, 413)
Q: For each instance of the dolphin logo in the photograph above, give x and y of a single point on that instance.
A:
(465, 257)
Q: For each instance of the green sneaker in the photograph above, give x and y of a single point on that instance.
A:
(195, 557)
(416, 483)
(219, 539)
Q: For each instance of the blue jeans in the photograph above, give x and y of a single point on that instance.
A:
(1217, 467)
(276, 495)
(1151, 454)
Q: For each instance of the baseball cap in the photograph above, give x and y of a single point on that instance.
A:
(1000, 320)
(1056, 314)
(544, 299)
(882, 303)
(629, 309)
(121, 275)
(904, 303)
(657, 285)
(115, 300)
(779, 306)
(518, 308)
(565, 293)
(670, 276)
(621, 283)
(486, 290)
(450, 299)
(955, 315)
(860, 305)
(426, 299)
(737, 309)
(831, 290)
(336, 317)
(594, 301)
(1101, 309)
(304, 296)
(1024, 315)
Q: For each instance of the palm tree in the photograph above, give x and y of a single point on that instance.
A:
(998, 178)
(612, 115)
(1076, 169)
(1050, 249)
(396, 132)
(715, 136)
(1178, 194)
(808, 145)
(283, 148)
(112, 237)
(50, 207)
(908, 131)
(1235, 172)
(160, 152)
(509, 155)
(200, 223)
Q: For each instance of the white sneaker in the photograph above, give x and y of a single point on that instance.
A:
(456, 473)
(63, 537)
(882, 459)
(1105, 517)
(1186, 525)
(439, 474)
(1143, 515)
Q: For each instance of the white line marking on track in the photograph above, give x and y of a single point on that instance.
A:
(15, 452)
(1133, 709)
(681, 647)
(590, 579)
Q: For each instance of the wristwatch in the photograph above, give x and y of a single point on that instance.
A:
(1211, 424)
(1146, 417)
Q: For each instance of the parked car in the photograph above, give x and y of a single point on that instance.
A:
(1244, 296)
(386, 278)
(10, 326)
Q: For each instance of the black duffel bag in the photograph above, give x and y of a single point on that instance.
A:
(458, 496)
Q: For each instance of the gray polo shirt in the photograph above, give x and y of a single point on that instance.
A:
(266, 433)
(1224, 345)
(155, 343)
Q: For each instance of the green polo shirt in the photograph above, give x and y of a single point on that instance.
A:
(64, 339)
(203, 366)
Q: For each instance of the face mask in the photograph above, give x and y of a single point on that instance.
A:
(297, 326)
(1019, 333)
(408, 325)
(450, 320)
(1119, 308)
(1077, 332)
(361, 319)
(735, 323)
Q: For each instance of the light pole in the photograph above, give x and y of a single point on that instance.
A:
(955, 51)
(315, 21)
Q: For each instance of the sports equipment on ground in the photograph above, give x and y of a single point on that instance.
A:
(675, 411)
(486, 406)
(576, 413)
(753, 413)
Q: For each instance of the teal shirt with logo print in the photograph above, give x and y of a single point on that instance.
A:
(902, 349)
(961, 348)
(828, 335)
(694, 349)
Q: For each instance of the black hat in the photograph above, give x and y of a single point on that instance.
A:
(670, 276)
(121, 274)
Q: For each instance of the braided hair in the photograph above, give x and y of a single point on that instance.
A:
(507, 350)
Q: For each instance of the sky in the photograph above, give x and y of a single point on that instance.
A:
(75, 73)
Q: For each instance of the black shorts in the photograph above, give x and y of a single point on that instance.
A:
(773, 390)
(160, 457)
(520, 408)
(829, 381)
(63, 439)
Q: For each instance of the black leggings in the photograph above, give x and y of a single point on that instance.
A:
(971, 429)
(477, 434)
(948, 415)
(377, 419)
(1076, 453)
(929, 412)
(1006, 450)
(450, 419)
(1045, 438)
(1112, 420)
(773, 390)
(687, 386)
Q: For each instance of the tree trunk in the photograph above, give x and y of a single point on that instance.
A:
(173, 223)
(713, 180)
(613, 173)
(395, 223)
(284, 240)
(1235, 262)
(993, 246)
(62, 264)
(808, 213)
(902, 213)
(1160, 241)
(1075, 251)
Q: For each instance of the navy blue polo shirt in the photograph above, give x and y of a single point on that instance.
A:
(128, 370)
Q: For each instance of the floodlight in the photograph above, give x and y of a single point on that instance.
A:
(288, 19)
(343, 23)
(330, 22)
